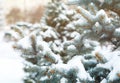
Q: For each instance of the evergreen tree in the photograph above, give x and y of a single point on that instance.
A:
(79, 45)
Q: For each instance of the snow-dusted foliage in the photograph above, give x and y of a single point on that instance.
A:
(79, 45)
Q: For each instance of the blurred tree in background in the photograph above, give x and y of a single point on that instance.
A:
(32, 15)
(15, 15)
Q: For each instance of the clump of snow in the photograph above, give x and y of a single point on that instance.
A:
(72, 50)
(102, 17)
(117, 32)
(97, 28)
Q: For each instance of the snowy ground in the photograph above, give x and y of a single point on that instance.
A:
(10, 64)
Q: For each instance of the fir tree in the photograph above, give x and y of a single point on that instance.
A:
(79, 45)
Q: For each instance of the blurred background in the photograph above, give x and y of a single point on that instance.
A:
(12, 11)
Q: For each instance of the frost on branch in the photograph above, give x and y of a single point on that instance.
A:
(79, 45)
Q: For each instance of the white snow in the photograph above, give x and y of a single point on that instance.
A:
(25, 41)
(74, 64)
(102, 17)
(70, 26)
(104, 81)
(86, 14)
(72, 50)
(49, 33)
(97, 28)
(74, 34)
(73, 1)
(47, 51)
(117, 32)
(10, 63)
(113, 63)
(63, 17)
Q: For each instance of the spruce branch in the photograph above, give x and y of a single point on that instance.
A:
(100, 57)
(33, 43)
(86, 14)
